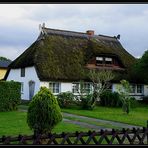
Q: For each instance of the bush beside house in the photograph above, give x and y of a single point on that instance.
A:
(43, 112)
(10, 95)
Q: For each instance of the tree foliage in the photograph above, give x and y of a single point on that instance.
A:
(124, 90)
(4, 59)
(43, 112)
(101, 81)
(141, 68)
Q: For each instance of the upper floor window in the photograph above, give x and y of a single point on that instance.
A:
(108, 60)
(22, 72)
(99, 60)
(54, 87)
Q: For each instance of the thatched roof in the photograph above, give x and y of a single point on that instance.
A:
(62, 55)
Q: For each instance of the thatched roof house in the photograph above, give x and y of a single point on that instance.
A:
(65, 57)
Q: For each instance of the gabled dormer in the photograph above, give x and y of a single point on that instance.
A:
(105, 61)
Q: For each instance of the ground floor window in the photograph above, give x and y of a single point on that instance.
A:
(133, 88)
(139, 88)
(87, 87)
(75, 88)
(54, 87)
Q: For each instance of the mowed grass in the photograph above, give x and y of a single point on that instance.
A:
(137, 116)
(15, 123)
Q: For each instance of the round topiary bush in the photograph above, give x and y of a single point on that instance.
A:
(43, 112)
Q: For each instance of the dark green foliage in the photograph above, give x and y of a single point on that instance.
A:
(86, 102)
(25, 102)
(4, 59)
(10, 95)
(133, 102)
(111, 99)
(43, 112)
(126, 105)
(140, 69)
(66, 99)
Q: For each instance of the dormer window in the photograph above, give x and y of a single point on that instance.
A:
(99, 60)
(108, 60)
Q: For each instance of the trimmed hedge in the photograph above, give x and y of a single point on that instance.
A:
(10, 95)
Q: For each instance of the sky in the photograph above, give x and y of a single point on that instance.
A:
(19, 24)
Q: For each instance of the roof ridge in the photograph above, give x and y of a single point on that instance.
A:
(107, 36)
(64, 30)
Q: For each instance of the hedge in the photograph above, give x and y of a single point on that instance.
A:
(10, 95)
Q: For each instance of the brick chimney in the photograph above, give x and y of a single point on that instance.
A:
(90, 32)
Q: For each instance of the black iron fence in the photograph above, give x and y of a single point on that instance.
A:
(109, 137)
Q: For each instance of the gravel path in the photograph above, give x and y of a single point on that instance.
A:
(92, 126)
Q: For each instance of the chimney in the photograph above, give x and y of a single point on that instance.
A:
(90, 32)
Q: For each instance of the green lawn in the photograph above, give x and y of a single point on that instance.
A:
(14, 123)
(137, 116)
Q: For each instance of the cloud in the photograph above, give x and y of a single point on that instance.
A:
(19, 23)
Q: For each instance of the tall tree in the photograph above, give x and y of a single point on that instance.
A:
(141, 67)
(4, 59)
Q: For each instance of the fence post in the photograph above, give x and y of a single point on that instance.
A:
(147, 131)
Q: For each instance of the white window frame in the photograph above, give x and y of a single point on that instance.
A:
(99, 58)
(54, 87)
(76, 86)
(133, 88)
(141, 88)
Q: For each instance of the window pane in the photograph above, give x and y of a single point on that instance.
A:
(75, 87)
(54, 87)
(22, 72)
(139, 88)
(133, 88)
(108, 59)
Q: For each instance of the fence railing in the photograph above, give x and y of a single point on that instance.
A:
(123, 136)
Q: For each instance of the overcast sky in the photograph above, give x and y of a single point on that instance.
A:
(19, 24)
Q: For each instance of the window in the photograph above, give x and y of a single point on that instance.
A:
(108, 60)
(22, 87)
(54, 87)
(22, 72)
(133, 88)
(139, 88)
(99, 60)
(75, 87)
(87, 87)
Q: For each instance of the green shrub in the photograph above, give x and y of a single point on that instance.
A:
(66, 99)
(25, 102)
(110, 99)
(43, 112)
(86, 102)
(10, 95)
(133, 102)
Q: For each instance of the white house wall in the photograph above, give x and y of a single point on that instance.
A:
(30, 74)
(64, 86)
(146, 90)
(137, 96)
